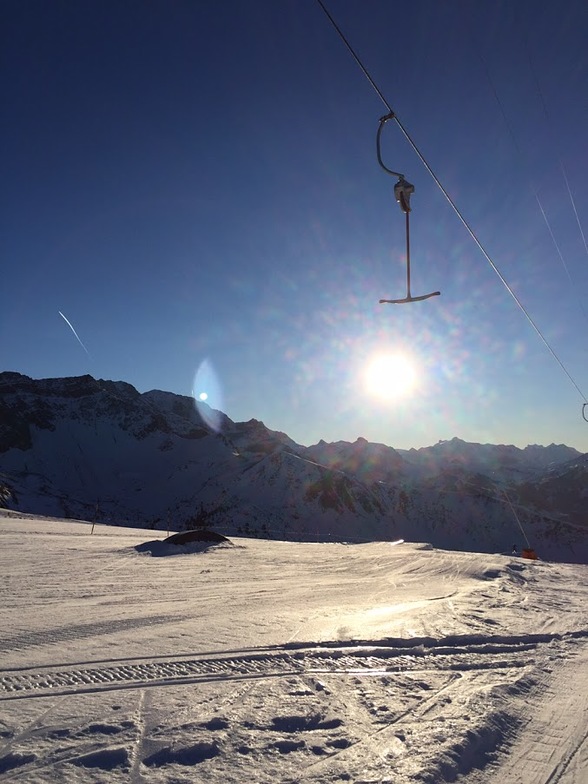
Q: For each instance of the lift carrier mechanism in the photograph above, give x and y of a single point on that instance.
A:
(403, 190)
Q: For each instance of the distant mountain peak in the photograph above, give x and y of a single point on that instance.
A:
(81, 447)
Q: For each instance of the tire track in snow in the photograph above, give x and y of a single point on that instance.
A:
(292, 659)
(560, 772)
(82, 631)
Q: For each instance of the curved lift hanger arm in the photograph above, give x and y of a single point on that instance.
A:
(402, 191)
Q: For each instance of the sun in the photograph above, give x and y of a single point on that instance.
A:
(390, 376)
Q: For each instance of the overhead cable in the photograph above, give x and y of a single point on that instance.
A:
(453, 205)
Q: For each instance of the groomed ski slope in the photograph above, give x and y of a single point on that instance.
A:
(277, 662)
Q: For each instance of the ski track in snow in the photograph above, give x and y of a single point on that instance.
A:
(80, 631)
(435, 696)
(470, 668)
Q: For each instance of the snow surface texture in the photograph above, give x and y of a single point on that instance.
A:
(275, 662)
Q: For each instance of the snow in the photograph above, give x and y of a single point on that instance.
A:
(264, 661)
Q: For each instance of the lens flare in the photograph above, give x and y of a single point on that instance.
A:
(207, 394)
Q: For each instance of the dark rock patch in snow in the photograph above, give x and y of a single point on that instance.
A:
(197, 535)
(197, 541)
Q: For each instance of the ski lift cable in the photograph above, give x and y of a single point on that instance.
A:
(513, 510)
(516, 517)
(560, 161)
(573, 201)
(501, 500)
(559, 252)
(550, 125)
(544, 515)
(521, 155)
(451, 202)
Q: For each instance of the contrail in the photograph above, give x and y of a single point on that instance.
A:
(69, 324)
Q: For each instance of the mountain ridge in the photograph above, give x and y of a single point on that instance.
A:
(100, 449)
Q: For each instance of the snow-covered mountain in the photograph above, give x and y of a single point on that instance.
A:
(499, 461)
(561, 490)
(93, 449)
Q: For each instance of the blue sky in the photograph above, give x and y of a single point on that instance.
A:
(195, 185)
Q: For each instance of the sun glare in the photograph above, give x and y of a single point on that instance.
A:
(390, 376)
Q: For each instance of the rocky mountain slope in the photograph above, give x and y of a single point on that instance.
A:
(79, 447)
